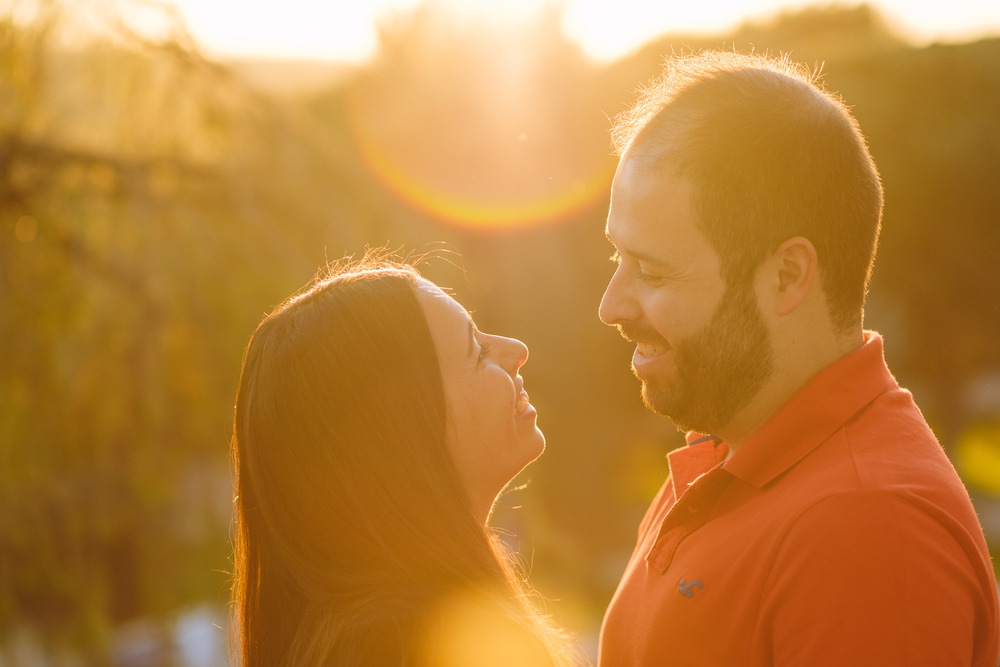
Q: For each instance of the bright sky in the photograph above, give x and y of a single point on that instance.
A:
(344, 30)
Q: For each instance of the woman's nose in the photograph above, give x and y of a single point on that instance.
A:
(515, 354)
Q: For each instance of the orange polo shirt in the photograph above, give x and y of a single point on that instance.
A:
(838, 534)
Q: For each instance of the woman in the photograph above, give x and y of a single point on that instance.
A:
(374, 427)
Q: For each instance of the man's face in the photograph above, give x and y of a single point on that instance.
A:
(703, 350)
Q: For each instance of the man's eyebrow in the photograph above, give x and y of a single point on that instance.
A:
(650, 259)
(643, 256)
(637, 254)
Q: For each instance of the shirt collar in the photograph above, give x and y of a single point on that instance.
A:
(702, 453)
(813, 414)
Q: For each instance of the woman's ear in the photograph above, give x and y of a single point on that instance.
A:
(793, 268)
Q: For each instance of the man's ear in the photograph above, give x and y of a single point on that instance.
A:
(793, 268)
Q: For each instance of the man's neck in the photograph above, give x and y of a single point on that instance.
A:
(796, 366)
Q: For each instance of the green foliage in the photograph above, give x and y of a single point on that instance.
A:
(142, 236)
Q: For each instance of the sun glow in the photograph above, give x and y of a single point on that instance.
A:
(487, 156)
(607, 31)
(292, 29)
(347, 31)
(453, 202)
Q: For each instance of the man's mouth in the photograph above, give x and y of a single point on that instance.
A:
(650, 350)
(648, 343)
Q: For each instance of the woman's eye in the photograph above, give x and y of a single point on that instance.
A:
(484, 351)
(650, 278)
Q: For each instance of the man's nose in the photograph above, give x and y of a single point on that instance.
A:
(617, 305)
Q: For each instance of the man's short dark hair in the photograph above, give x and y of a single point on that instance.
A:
(770, 155)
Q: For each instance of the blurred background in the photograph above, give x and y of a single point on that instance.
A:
(168, 173)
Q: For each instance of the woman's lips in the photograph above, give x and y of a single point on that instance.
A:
(522, 404)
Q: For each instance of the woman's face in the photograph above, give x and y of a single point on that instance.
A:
(492, 433)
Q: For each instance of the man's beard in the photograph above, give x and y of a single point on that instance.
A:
(719, 368)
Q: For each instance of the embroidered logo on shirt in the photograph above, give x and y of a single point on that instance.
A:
(687, 589)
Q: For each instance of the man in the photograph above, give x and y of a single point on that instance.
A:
(820, 523)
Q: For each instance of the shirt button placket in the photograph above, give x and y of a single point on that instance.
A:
(688, 515)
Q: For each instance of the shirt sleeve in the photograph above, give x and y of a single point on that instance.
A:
(870, 578)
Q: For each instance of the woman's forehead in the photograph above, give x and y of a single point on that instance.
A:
(440, 307)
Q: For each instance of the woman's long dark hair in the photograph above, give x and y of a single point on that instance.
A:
(351, 523)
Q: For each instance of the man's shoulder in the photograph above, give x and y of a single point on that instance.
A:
(885, 456)
(889, 444)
